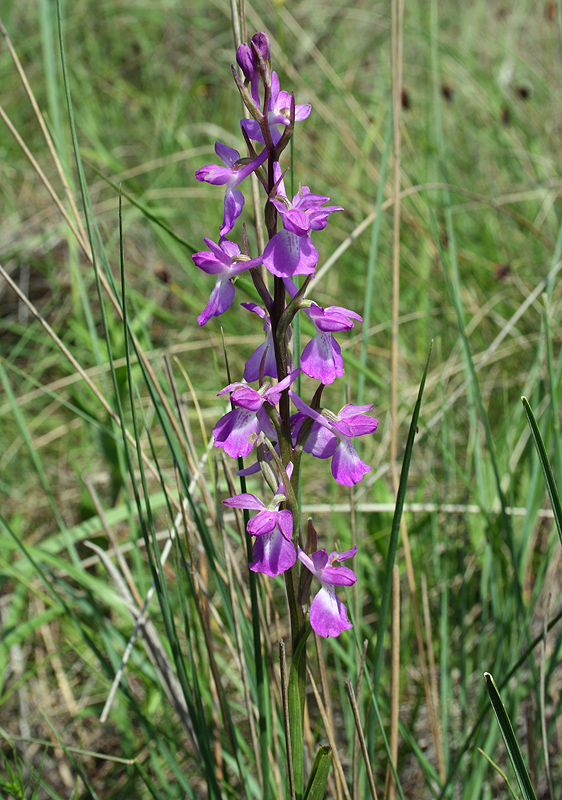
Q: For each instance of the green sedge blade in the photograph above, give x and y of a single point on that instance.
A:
(319, 775)
(546, 467)
(510, 740)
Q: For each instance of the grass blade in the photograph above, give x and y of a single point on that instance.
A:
(510, 739)
(545, 464)
(319, 775)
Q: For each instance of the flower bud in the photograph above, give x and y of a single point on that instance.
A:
(245, 60)
(261, 43)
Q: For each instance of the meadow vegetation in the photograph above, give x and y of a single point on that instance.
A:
(480, 254)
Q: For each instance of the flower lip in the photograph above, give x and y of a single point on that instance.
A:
(328, 615)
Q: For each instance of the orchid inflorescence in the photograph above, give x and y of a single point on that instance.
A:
(260, 418)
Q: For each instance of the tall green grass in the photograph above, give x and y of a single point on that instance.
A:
(133, 108)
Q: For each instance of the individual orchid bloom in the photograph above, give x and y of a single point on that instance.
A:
(239, 429)
(273, 551)
(265, 351)
(330, 437)
(226, 262)
(328, 615)
(290, 251)
(233, 172)
(321, 358)
(278, 113)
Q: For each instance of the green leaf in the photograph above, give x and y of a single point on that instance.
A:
(319, 774)
(510, 740)
(295, 697)
(545, 464)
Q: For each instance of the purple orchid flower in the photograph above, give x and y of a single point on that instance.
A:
(291, 252)
(330, 437)
(239, 429)
(278, 113)
(328, 615)
(225, 261)
(233, 173)
(252, 368)
(321, 358)
(273, 551)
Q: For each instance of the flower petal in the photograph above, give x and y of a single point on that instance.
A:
(328, 615)
(262, 523)
(233, 205)
(285, 523)
(244, 500)
(220, 301)
(273, 554)
(339, 576)
(353, 411)
(237, 432)
(246, 397)
(321, 358)
(215, 174)
(306, 560)
(321, 442)
(347, 467)
(288, 254)
(227, 154)
(335, 556)
(252, 368)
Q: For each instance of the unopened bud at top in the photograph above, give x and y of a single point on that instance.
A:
(261, 43)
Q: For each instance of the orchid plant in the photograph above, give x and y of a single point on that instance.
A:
(260, 419)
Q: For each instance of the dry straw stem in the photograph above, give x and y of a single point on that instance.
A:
(326, 694)
(356, 736)
(113, 541)
(330, 734)
(143, 614)
(154, 649)
(58, 669)
(359, 729)
(397, 8)
(13, 737)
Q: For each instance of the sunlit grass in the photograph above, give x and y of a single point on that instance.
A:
(480, 228)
